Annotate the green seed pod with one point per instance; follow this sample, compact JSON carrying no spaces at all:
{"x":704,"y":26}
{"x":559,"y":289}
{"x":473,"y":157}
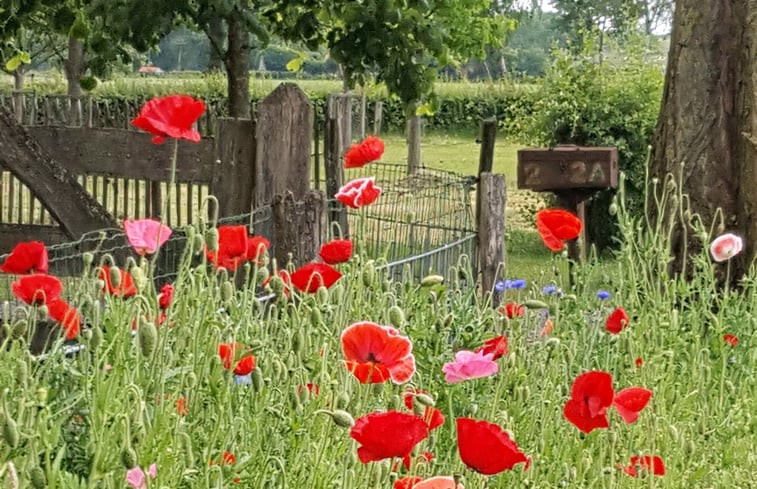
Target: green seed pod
{"x":22,"y":373}
{"x":227,"y":292}
{"x":198,"y":243}
{"x":148,"y":338}
{"x":97,"y":338}
{"x":298,"y":341}
{"x":277,"y":285}
{"x":689,"y":447}
{"x":449,"y":318}
{"x":674,"y":433}
{"x":38,"y":478}
{"x":257,"y":379}
{"x":613,"y":210}
{"x":369,"y":274}
{"x":211,"y":239}
{"x":261,"y":275}
{"x":128,"y":457}
{"x":342,"y":418}
{"x":431,"y":280}
{"x":535,"y":304}
{"x":342,"y":399}
{"x":322,"y":295}
{"x":191,"y":379}
{"x":315,"y":316}
{"x":18,"y":330}
{"x":396,"y":316}
{"x":425,"y":400}
{"x":43,"y":312}
{"x":10,"y":431}
{"x":87,"y":258}
{"x":140,"y":279}
{"x":42,"y":396}
{"x":115,"y":277}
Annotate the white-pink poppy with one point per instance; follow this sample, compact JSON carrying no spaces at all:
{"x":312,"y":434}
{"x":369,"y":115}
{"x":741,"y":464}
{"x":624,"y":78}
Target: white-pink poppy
{"x":725,"y":247}
{"x":469,"y":365}
{"x":359,"y":192}
{"x":146,"y":235}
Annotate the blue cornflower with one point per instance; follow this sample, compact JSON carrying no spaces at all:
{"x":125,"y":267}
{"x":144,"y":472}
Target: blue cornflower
{"x":499,"y":285}
{"x":603,"y":294}
{"x":243,"y":379}
{"x":551,"y":290}
{"x":515,"y":283}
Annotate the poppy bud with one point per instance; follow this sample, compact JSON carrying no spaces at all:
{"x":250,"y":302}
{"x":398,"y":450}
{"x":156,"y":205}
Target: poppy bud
{"x":22,"y":373}
{"x":43,"y":312}
{"x":396,"y":316}
{"x":186,"y":446}
{"x":10,"y":431}
{"x":42,"y":396}
{"x":257,"y":379}
{"x":315,"y":316}
{"x":294,"y":398}
{"x":18,"y":330}
{"x":261,"y":275}
{"x":298,"y":341}
{"x":97,"y":338}
{"x":277,"y":285}
{"x":689,"y":447}
{"x":431,"y":280}
{"x":613,"y":210}
{"x":425,"y":400}
{"x":211,"y":239}
{"x":674,"y":433}
{"x":148,"y":338}
{"x":448,"y":320}
{"x":342,"y":400}
{"x":322,"y":295}
{"x":395,"y":403}
{"x":386,"y":285}
{"x":37,"y":478}
{"x":197,"y":244}
{"x":369,"y":274}
{"x":342,"y":418}
{"x":192,"y":379}
{"x":138,"y":275}
{"x":115,"y":277}
{"x":87,"y":258}
{"x":128,"y":457}
{"x":613,"y":437}
{"x":227,"y":292}
{"x":418,"y":409}
{"x":535,"y":304}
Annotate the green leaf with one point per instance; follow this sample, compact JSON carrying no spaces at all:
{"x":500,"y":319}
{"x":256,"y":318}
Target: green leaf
{"x":295,"y":64}
{"x":21,"y":57}
{"x":88,"y":83}
{"x":79,"y":29}
{"x":425,"y":110}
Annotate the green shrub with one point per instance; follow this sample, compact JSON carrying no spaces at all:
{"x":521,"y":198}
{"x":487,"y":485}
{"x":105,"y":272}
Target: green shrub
{"x":610,"y":103}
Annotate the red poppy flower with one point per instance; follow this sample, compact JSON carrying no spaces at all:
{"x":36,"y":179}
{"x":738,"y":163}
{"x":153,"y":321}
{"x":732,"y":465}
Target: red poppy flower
{"x":387,"y":435}
{"x":37,"y":289}
{"x":165,"y":296}
{"x":232,"y":247}
{"x":228,"y":458}
{"x":731,"y":339}
{"x":173,"y":116}
{"x":629,"y":402}
{"x":66,"y":316}
{"x":309,"y":278}
{"x":645,"y":464}
{"x":617,"y":321}
{"x":336,"y":251}
{"x":182,"y":407}
{"x":257,"y":246}
{"x":313,"y":389}
{"x":228,"y":352}
{"x":376,"y":353}
{"x":497,"y":346}
{"x":590,"y":397}
{"x":125,"y":288}
{"x":639,"y":362}
{"x":556,"y":226}
{"x":485,"y":448}
{"x":407,"y":482}
{"x":370,"y":149}
{"x":432,"y":416}
{"x":512,"y":310}
{"x":27,"y":257}
{"x":359,"y":192}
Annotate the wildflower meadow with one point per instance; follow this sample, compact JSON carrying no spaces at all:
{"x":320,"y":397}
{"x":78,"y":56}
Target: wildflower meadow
{"x":242,"y":372}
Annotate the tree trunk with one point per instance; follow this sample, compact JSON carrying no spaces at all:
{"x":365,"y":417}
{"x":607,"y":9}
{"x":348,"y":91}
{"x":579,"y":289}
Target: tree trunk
{"x":74,"y":69}
{"x":707,"y":131}
{"x":216,"y":33}
{"x":413,"y":140}
{"x":18,"y":89}
{"x":238,"y":65}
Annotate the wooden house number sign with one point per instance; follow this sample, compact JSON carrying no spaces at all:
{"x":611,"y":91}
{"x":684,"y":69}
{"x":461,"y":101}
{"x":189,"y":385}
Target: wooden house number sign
{"x":573,"y":174}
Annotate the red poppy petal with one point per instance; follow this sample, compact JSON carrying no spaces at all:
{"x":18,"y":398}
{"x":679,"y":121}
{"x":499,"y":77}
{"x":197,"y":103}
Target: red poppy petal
{"x":575,"y":412}
{"x":336,"y":251}
{"x":629,"y":402}
{"x":387,"y":435}
{"x":486,"y":448}
{"x":245,"y":365}
{"x":617,"y":321}
{"x":37,"y":289}
{"x":368,"y":373}
{"x":309,"y":278}
{"x":26,"y":257}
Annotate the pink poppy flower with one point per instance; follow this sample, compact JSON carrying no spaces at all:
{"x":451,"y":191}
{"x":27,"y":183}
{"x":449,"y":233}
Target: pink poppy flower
{"x":359,"y":192}
{"x":725,"y":247}
{"x":470,"y":365}
{"x":438,"y":482}
{"x":137,"y":478}
{"x":146,"y":235}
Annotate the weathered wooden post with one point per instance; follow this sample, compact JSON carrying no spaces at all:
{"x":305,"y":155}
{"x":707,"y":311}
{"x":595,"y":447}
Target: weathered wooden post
{"x":573,"y":174}
{"x":337,"y":212}
{"x":414,"y":123}
{"x":297,"y":226}
{"x":233,"y":172}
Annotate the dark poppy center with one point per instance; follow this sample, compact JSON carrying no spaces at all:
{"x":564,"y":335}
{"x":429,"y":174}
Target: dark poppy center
{"x":372,"y":358}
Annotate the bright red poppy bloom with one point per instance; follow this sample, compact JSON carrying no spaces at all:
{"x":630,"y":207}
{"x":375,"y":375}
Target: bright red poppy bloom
{"x":512,"y":310}
{"x":369,"y":149}
{"x":486,"y":448}
{"x":431,"y":415}
{"x":165,"y":296}
{"x":27,"y":257}
{"x":336,"y":251}
{"x":639,"y":362}
{"x":407,"y":482}
{"x":125,"y":288}
{"x":232,"y":247}
{"x":173,"y":116}
{"x":182,"y":407}
{"x":66,"y":316}
{"x":257,"y":246}
{"x":645,"y":464}
{"x":590,"y":397}
{"x":310,"y":277}
{"x":556,"y":226}
{"x":617,"y":321}
{"x":497,"y":346}
{"x":731,"y":339}
{"x":359,"y":192}
{"x":629,"y":402}
{"x":375,"y":353}
{"x":228,"y":353}
{"x":387,"y":435}
{"x":37,"y":289}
